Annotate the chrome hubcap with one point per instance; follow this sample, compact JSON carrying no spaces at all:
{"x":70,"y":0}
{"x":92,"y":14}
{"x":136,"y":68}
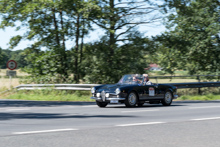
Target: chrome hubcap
{"x":168,"y":97}
{"x":132,"y":99}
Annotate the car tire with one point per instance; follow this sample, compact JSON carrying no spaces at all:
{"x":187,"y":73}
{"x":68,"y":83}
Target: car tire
{"x":101,"y":104}
{"x":168,"y":98}
{"x":131,"y":100}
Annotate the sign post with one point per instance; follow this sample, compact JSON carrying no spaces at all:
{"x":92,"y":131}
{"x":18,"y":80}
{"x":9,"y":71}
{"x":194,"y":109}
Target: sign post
{"x":11,"y":66}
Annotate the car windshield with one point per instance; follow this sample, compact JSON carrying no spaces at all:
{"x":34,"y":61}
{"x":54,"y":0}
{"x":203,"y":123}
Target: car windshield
{"x":131,"y":79}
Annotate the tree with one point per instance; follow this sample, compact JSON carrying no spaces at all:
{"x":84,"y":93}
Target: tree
{"x":129,"y":58}
{"x":193,"y":42}
{"x":3,"y":59}
{"x":18,"y":56}
{"x":1,"y":56}
{"x":51,"y":24}
{"x":119,"y":19}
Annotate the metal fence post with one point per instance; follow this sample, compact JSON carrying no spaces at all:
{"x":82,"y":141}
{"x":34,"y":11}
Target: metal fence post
{"x":156,"y":80}
{"x":199,"y":90}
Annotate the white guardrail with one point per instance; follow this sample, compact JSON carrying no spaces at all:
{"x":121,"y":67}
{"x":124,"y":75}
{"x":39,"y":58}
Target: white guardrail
{"x":56,"y":86}
{"x":89,"y":86}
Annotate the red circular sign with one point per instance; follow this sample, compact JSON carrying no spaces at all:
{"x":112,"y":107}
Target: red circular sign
{"x":11,"y":65}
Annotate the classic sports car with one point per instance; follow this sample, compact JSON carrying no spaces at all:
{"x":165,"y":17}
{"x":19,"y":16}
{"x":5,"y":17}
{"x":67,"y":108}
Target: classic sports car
{"x":133,"y":90}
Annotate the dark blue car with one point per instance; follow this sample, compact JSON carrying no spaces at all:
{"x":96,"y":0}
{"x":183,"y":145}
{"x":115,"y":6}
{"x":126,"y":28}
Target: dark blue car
{"x":132,"y":90}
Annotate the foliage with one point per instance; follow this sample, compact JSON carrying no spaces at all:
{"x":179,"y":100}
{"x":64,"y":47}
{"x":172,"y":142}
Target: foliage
{"x":128,"y":58}
{"x":119,"y":19}
{"x":51,"y":24}
{"x":46,"y":67}
{"x":193,"y":41}
{"x":2,"y":57}
{"x":17,"y":55}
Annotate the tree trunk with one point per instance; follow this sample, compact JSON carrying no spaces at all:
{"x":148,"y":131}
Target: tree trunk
{"x":112,"y":33}
{"x":82,"y":43}
{"x":76,"y":76}
{"x":63,"y":50}
{"x":56,"y":28}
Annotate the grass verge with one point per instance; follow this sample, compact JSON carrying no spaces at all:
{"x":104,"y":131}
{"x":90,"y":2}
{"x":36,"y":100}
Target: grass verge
{"x":61,"y":95}
{"x":207,"y":97}
{"x":49,"y":95}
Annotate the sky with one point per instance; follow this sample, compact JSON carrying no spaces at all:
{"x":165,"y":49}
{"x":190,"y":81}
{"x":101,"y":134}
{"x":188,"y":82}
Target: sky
{"x":5,"y":35}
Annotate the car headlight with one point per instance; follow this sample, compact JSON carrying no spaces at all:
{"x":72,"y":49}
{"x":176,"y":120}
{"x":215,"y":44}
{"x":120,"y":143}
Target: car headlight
{"x":98,"y":95}
{"x":93,"y":90}
{"x":107,"y":95}
{"x":117,"y":91}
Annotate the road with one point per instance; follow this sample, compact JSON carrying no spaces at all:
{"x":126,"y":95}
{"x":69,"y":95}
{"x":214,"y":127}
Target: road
{"x":34,"y":123}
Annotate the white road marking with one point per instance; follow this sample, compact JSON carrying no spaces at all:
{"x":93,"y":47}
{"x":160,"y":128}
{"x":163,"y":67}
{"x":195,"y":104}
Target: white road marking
{"x":204,"y":107}
{"x":44,"y":131}
{"x":211,"y":118}
{"x":90,"y":106}
{"x":140,"y":111}
{"x":138,"y":124}
{"x":14,"y":109}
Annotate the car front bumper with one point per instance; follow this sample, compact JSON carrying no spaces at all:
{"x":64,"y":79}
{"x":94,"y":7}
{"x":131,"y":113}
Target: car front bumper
{"x":175,"y":96}
{"x":108,"y":99}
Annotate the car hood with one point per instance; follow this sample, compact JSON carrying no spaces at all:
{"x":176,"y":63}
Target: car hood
{"x":111,"y":87}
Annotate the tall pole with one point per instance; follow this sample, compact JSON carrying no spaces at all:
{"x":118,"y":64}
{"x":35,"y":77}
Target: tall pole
{"x":10,"y":82}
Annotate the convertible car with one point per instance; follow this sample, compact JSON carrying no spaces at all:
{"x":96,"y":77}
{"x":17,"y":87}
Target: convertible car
{"x":132,"y":90}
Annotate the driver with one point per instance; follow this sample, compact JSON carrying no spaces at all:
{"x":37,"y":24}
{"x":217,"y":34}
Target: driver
{"x":135,"y":80}
{"x":146,"y":80}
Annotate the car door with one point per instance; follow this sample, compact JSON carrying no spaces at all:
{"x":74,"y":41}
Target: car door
{"x":154,"y":92}
{"x":151,"y":92}
{"x":143,"y":92}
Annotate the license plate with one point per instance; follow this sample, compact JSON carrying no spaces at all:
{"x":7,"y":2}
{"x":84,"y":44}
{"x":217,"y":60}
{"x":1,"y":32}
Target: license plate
{"x":114,"y":101}
{"x":151,"y":91}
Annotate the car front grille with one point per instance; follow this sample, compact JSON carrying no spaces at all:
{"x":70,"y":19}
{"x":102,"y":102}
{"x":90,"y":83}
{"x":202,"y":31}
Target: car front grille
{"x":103,"y":95}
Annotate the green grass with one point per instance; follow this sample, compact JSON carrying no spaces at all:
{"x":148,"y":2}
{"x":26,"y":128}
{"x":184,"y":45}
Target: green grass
{"x":3,"y":89}
{"x":50,"y":95}
{"x":207,"y":97}
{"x":62,"y":95}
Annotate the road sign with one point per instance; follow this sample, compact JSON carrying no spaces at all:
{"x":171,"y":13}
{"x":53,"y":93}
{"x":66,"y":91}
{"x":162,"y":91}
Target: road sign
{"x":11,"y":73}
{"x":12,"y":65}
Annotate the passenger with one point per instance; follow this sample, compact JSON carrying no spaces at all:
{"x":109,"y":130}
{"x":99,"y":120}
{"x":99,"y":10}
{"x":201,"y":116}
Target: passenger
{"x":146,"y":80}
{"x":135,"y":80}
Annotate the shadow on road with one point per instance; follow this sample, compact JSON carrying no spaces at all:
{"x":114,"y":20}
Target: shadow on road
{"x":9,"y":116}
{"x":174,"y":104}
{"x":177,"y":102}
{"x":23,"y":103}
{"x":144,"y":106}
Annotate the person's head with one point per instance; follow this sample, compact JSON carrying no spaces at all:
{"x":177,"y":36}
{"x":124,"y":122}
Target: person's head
{"x":134,"y":78}
{"x":145,"y":76}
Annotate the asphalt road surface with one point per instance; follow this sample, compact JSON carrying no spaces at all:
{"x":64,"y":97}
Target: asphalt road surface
{"x":72,"y":124}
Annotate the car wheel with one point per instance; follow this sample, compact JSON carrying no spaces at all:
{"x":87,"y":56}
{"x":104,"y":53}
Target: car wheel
{"x":168,"y":98}
{"x":101,"y":104}
{"x":131,"y":100}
